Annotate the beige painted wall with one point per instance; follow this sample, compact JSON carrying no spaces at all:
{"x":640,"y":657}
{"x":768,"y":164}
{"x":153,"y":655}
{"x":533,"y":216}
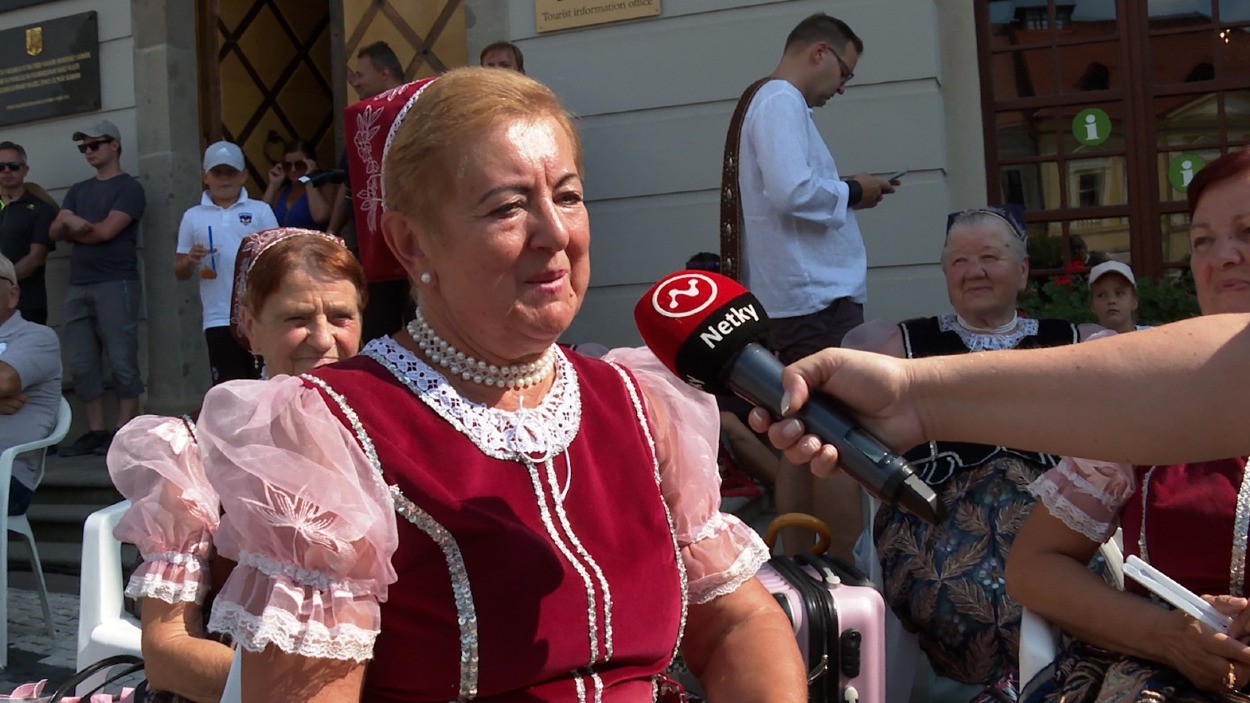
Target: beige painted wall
{"x":654,"y":98}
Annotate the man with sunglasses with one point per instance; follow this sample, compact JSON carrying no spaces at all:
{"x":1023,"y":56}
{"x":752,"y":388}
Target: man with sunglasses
{"x":802,"y":253}
{"x":24,"y":222}
{"x":100,"y":216}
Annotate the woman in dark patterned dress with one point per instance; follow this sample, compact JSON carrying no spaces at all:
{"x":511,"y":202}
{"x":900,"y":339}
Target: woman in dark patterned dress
{"x":945,"y":582}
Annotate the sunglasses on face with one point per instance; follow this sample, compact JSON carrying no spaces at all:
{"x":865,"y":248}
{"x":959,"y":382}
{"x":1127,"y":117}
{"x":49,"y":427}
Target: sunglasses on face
{"x":11,"y":166}
{"x":294,"y":166}
{"x":92,"y":146}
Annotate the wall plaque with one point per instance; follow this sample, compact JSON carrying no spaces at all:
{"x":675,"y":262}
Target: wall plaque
{"x":49,"y":69}
{"x":551,"y":15}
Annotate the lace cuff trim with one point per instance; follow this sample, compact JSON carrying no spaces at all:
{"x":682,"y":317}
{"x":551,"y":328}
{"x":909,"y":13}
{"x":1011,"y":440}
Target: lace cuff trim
{"x":744,"y":568}
{"x":1072,"y":516}
{"x":306,"y":578}
{"x":286,"y":632}
{"x":1084,"y":485}
{"x":164,"y":585}
{"x":715,"y":525}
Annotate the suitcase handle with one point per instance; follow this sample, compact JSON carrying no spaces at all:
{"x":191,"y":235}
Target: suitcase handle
{"x":810,"y":522}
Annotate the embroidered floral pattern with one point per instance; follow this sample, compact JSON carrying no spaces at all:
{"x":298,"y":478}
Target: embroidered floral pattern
{"x":312,"y":525}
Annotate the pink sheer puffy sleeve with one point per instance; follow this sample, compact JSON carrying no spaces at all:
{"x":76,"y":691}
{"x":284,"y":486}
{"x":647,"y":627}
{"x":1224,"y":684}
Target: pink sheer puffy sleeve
{"x":155,"y":463}
{"x":307,"y":518}
{"x":1086,"y":494}
{"x":719,"y":551}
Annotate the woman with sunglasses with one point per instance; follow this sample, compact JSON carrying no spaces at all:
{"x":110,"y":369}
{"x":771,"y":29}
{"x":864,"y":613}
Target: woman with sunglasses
{"x":294,"y":203}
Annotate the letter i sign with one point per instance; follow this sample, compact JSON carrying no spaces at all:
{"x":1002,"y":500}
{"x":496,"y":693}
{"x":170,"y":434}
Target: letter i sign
{"x":1091,"y":126}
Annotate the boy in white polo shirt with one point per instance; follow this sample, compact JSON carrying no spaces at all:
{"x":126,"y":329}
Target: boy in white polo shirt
{"x":208,"y":241}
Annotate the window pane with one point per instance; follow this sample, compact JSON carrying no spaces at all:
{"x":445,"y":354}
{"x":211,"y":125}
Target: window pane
{"x":1089,"y":67}
{"x":1178,"y":10}
{"x":1183,"y":58}
{"x":1234,"y":11}
{"x":1091,"y":18}
{"x":1175,"y":229}
{"x":1233,"y":47}
{"x":1105,"y":238}
{"x":1237,"y":112}
{"x":1022,"y":133}
{"x":1182,"y":165}
{"x":1182,"y":121}
{"x":1022,"y":185}
{"x":1097,"y":182}
{"x":1046,"y":246}
{"x":1024,"y":74}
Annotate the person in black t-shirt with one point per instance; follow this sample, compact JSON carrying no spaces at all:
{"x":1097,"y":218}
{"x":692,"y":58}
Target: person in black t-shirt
{"x":24,"y":223}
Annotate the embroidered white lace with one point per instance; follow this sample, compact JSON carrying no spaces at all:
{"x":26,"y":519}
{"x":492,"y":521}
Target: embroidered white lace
{"x":535,"y":433}
{"x":288,"y":633}
{"x":315,"y":580}
{"x":728,"y":581}
{"x":988,"y":342}
{"x":155,"y":585}
{"x":1075,"y":518}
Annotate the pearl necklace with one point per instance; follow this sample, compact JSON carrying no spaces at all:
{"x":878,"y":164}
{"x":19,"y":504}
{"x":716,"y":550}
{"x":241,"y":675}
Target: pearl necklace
{"x":513,"y":377}
{"x":1015,"y":317}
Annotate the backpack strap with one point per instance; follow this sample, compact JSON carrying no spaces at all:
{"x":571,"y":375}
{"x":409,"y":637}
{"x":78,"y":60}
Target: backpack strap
{"x":731,"y":203}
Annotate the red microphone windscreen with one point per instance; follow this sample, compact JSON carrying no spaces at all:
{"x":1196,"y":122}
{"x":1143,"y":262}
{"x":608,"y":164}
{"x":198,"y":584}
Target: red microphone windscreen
{"x":697,"y":322}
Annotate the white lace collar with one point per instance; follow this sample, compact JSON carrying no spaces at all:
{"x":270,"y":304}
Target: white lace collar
{"x":980,"y":341}
{"x":529,"y":434}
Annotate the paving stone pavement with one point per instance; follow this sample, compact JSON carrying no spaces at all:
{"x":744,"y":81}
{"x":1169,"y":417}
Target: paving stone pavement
{"x":33,"y":655}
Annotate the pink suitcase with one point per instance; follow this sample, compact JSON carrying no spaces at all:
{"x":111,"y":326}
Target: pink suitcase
{"x":839,"y":621}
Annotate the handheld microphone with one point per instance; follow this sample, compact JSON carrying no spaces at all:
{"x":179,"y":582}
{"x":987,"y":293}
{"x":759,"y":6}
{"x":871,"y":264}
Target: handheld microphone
{"x":707,"y":328}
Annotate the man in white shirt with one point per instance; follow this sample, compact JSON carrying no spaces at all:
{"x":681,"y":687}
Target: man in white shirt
{"x":208,"y":240}
{"x":30,"y":386}
{"x":803,"y":255}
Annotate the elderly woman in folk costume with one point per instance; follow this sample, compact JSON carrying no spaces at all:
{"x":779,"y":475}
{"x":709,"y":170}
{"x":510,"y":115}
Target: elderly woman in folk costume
{"x":298,"y":296}
{"x":467,"y":508}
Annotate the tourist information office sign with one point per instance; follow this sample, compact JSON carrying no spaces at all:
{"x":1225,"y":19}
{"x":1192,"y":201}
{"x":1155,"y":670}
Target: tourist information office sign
{"x":552,"y":15}
{"x":50,"y":69}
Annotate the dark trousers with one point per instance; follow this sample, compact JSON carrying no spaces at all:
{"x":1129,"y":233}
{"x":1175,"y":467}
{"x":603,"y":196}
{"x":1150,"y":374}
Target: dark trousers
{"x":19,"y":497}
{"x":227,"y":359}
{"x":390,"y":307}
{"x":796,"y":337}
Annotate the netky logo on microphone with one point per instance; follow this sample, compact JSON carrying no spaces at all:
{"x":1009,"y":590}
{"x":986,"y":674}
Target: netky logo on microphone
{"x":734,"y":318}
{"x":684,"y":295}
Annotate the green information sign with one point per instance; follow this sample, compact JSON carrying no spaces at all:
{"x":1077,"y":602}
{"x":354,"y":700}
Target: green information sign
{"x":1182,"y":169}
{"x":1091,"y":126}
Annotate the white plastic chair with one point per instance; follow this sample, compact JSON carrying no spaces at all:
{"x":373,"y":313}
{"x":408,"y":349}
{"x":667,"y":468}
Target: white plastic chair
{"x":20,"y":525}
{"x":104,"y":626}
{"x":1039,"y":640}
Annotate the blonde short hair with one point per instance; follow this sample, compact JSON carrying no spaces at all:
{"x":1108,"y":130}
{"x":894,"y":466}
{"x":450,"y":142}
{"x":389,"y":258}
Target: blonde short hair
{"x":432,"y":143}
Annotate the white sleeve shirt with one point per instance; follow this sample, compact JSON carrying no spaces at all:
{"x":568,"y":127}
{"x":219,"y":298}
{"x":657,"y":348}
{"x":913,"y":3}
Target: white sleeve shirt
{"x":802,"y":248}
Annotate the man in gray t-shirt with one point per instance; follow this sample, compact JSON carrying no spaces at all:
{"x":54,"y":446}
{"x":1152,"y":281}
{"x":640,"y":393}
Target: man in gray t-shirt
{"x":30,"y":386}
{"x":101,"y":217}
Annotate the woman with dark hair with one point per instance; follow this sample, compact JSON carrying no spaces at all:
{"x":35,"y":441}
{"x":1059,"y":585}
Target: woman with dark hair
{"x":1186,"y":519}
{"x":295,"y":203}
{"x":298,"y":295}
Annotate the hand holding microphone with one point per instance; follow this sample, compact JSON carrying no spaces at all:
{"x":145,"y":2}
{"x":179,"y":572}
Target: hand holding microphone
{"x":706,"y":328}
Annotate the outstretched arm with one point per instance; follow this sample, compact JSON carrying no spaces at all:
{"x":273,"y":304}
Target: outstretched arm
{"x":1044,"y":399}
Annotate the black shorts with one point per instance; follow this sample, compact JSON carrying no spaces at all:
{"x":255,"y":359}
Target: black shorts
{"x":796,"y":337}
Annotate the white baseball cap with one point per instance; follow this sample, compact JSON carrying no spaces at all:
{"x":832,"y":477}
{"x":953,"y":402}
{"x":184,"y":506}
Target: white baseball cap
{"x":223,"y":154}
{"x":1112,"y":267}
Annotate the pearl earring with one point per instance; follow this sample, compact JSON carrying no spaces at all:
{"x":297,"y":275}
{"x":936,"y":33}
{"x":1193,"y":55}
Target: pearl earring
{"x":427,"y":278}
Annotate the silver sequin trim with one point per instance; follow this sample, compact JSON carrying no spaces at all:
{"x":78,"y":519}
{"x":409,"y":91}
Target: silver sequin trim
{"x":1145,"y":496}
{"x":466,"y":613}
{"x":1241,"y":523}
{"x":641,"y":413}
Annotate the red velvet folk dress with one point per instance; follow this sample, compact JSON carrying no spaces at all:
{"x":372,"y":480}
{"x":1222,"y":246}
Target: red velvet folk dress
{"x":571,"y":572}
{"x":560,"y":575}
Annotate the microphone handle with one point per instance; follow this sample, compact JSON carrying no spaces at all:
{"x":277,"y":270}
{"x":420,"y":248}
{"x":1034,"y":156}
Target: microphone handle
{"x":755,"y":376}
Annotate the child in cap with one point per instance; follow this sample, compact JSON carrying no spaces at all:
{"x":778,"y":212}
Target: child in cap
{"x":1113,"y":296}
{"x":208,"y":240}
